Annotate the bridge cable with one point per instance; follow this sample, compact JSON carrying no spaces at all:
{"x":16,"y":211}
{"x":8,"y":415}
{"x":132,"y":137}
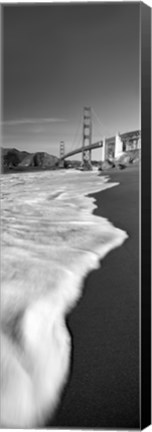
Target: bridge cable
{"x":100,"y":123}
{"x":76,"y":135}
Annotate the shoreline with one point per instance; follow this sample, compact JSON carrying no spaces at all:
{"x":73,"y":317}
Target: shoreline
{"x":104,"y":389}
{"x":86,"y":239}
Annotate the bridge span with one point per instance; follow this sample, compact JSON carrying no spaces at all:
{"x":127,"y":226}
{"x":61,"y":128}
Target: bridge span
{"x":83,"y":149}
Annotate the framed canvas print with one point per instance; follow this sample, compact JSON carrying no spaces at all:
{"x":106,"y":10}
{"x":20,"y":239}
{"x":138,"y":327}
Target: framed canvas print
{"x":75,"y":215}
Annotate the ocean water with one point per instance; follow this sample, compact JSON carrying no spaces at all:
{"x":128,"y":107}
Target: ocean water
{"x":50,"y":240}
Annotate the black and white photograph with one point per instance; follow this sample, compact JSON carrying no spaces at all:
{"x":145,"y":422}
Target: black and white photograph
{"x":72,"y":137}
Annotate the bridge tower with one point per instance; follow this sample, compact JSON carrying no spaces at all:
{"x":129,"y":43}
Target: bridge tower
{"x":87,"y":132}
{"x":62,"y":149}
{"x":62,"y":153}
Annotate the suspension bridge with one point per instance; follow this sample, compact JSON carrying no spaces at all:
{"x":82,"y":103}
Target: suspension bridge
{"x":110,"y":147}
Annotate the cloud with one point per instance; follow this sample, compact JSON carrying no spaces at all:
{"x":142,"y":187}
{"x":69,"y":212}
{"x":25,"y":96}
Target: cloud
{"x":32,"y":121}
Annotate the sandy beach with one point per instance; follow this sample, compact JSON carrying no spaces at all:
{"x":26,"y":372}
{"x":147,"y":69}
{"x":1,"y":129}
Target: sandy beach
{"x":103,"y":389}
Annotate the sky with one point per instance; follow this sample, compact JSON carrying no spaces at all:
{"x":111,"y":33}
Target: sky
{"x":58,"y":58}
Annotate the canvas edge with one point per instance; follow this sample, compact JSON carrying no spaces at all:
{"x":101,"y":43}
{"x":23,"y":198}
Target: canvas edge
{"x":145,"y":294}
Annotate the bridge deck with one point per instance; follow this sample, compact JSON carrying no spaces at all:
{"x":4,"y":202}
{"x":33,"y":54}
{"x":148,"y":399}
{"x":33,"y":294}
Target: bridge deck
{"x":81,"y":149}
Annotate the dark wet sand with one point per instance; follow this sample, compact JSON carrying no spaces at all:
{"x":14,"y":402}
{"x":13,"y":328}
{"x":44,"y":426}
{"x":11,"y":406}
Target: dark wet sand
{"x":103,"y":391}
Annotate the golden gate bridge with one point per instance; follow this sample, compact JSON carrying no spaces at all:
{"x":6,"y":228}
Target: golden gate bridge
{"x":110,"y":146}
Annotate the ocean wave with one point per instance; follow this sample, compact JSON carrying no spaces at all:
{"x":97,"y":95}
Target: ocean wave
{"x":50,"y":240}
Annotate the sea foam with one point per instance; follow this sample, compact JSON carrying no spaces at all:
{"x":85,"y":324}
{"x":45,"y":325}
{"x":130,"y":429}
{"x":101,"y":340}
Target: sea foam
{"x":50,"y":241}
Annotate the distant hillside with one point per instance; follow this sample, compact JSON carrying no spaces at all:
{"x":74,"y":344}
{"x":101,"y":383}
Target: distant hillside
{"x":15,"y":160}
